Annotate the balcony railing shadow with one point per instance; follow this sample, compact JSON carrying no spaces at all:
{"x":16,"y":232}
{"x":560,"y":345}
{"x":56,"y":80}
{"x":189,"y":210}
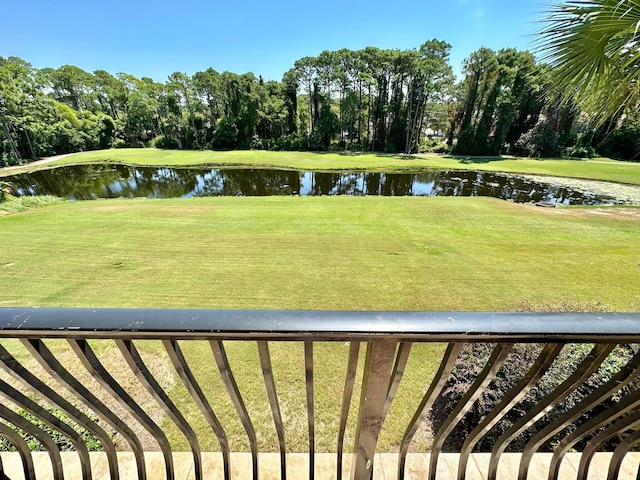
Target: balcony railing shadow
{"x":502,"y":382}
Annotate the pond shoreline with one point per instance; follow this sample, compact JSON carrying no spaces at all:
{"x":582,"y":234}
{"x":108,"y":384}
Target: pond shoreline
{"x":113,"y":180}
{"x":627,"y":193}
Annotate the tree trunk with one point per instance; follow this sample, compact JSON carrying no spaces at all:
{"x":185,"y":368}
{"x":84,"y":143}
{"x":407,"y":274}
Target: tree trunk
{"x":33,"y":153}
{"x":7,"y":133}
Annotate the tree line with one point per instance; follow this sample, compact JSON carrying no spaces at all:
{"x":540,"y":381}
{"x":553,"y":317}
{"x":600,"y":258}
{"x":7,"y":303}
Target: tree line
{"x":397,"y":101}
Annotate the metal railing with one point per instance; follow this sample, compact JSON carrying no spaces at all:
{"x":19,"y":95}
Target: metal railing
{"x":603,"y":414}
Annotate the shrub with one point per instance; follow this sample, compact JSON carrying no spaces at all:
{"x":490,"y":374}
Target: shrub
{"x":164,"y":142}
{"x":432,"y":146}
{"x":579,"y":152}
{"x":541,"y":141}
{"x":226,"y":134}
{"x":622,"y":143}
{"x":291,"y":142}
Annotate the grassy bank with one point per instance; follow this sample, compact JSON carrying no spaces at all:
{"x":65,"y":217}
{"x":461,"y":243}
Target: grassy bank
{"x":398,"y":253}
{"x":597,"y":169}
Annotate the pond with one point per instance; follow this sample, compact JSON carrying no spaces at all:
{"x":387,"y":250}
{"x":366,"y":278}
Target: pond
{"x":86,"y":182}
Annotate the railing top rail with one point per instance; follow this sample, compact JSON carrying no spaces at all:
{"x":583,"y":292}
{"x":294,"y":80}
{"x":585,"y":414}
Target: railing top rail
{"x":317,"y":325}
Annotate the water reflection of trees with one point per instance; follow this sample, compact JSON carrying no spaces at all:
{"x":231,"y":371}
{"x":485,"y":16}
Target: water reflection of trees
{"x":109,"y":181}
{"x":362,"y":184}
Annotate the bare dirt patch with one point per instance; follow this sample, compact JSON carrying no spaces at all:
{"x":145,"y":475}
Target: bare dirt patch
{"x":126,"y":206}
{"x":632,"y":213}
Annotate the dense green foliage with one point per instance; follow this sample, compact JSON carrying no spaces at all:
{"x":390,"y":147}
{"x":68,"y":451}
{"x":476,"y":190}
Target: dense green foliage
{"x":366,"y":99}
{"x":501,"y":101}
{"x":397,"y":101}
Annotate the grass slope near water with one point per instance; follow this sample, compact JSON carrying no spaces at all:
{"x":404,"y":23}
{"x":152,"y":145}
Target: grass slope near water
{"x":597,"y":169}
{"x":370,"y":253}
{"x":399,"y":253}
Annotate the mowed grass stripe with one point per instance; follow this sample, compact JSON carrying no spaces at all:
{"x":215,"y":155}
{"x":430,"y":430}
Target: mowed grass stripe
{"x":319,"y":253}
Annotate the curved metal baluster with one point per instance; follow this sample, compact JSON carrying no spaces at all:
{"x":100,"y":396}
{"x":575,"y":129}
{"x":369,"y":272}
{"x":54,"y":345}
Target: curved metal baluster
{"x":619,"y":453}
{"x":52,"y":422}
{"x":485,"y":377}
{"x":629,"y":422}
{"x":352,"y":367}
{"x":46,"y":359}
{"x":437,"y":384}
{"x":398,"y":371}
{"x":589,"y":365}
{"x":230,"y":384}
{"x":267,"y":373}
{"x":626,"y":374}
{"x":93,"y":365}
{"x":510,"y":400}
{"x":191,"y":384}
{"x":46,"y":441}
{"x":10,"y":365}
{"x":142,"y":373}
{"x":377,"y":376}
{"x":308,"y":372}
{"x":23,"y":450}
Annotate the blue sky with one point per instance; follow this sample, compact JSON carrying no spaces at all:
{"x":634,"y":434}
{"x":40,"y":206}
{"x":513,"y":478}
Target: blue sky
{"x":154,"y":39}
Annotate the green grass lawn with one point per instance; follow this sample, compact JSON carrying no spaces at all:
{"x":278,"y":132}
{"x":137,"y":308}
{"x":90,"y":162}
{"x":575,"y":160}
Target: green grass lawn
{"x":598,"y":169}
{"x":393,"y":253}
{"x":399,"y":253}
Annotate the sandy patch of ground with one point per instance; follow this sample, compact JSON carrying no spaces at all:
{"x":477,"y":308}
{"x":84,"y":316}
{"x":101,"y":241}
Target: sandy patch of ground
{"x":44,"y":161}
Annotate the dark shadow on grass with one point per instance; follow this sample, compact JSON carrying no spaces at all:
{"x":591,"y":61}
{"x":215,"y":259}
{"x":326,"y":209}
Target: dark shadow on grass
{"x":468,"y":159}
{"x":346,"y":153}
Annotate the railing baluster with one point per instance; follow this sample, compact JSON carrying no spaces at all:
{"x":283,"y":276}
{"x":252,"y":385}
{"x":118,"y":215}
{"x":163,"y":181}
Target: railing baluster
{"x":100,"y":373}
{"x":349,"y":382}
{"x":485,"y":377}
{"x":630,"y":422}
{"x":631,"y":441}
{"x":589,"y":365}
{"x":21,"y":446}
{"x":373,"y":396}
{"x":46,"y":441}
{"x":46,"y":359}
{"x":51,"y":421}
{"x":622,"y":378}
{"x":389,"y":337}
{"x":10,"y":365}
{"x":140,"y":370}
{"x":396,"y":375}
{"x":436,"y":386}
{"x":543,"y":362}
{"x":267,"y":373}
{"x":191,"y":384}
{"x":626,"y":405}
{"x":308,"y":371}
{"x":230,"y":384}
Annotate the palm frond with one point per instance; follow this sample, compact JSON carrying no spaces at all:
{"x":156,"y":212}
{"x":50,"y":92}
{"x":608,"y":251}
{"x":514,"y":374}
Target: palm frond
{"x":594,"y":49}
